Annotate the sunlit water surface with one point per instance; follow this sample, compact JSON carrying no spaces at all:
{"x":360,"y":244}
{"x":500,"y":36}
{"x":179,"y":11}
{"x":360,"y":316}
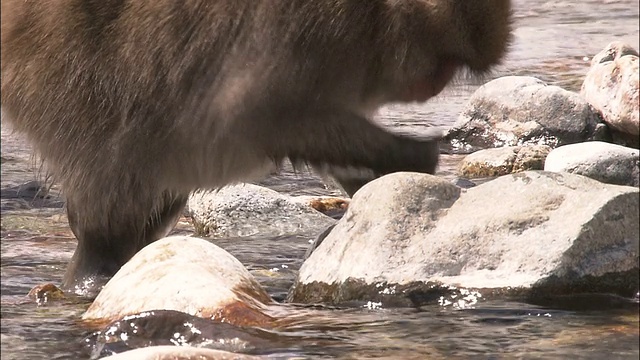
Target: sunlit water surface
{"x":554,"y":41}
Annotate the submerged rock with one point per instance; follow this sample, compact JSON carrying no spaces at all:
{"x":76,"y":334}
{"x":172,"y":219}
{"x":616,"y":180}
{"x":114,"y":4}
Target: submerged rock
{"x":184,"y":274}
{"x":165,"y":327}
{"x":612,"y":87}
{"x":609,"y":163}
{"x":166,"y":352}
{"x":248,"y":210}
{"x":43,"y":293}
{"x":522,"y":110}
{"x":407,"y":238}
{"x":503,"y":161}
{"x":32,"y":194}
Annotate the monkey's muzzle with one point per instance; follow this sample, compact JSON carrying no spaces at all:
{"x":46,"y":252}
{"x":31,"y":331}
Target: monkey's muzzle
{"x":424,"y":89}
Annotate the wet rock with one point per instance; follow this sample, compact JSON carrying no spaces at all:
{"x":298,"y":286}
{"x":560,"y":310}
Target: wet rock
{"x":609,"y":163}
{"x":165,"y":327}
{"x":166,"y":352}
{"x":248,"y":210}
{"x":612,"y":87}
{"x":503,"y":161}
{"x":32,"y":194}
{"x":333,"y":207}
{"x":45,"y":292}
{"x":463,"y":183}
{"x":29,"y":190}
{"x":408,"y":237}
{"x":522,"y":110}
{"x":184,"y":274}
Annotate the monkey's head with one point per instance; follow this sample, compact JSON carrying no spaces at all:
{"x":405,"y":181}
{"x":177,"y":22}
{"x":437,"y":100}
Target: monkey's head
{"x":433,"y":39}
{"x":481,"y":30}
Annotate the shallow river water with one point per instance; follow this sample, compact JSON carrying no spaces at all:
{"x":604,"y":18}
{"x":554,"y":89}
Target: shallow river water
{"x":554,"y":41}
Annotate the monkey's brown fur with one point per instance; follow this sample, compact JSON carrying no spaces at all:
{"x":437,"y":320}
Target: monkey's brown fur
{"x":134,"y":104}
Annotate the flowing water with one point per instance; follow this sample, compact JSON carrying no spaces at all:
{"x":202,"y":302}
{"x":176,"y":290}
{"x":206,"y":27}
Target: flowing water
{"x":554,"y":41}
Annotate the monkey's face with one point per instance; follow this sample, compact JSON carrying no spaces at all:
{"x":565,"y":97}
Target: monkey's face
{"x":430,"y":86}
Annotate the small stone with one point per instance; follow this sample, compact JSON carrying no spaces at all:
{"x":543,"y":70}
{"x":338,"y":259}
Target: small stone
{"x":333,"y":207}
{"x":609,"y":163}
{"x":503,"y":161}
{"x":45,"y":292}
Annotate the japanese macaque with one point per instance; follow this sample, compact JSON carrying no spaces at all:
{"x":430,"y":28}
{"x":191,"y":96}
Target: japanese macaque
{"x":135,"y":104}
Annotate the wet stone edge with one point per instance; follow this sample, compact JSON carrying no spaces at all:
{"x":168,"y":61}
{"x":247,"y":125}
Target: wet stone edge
{"x":611,"y":290}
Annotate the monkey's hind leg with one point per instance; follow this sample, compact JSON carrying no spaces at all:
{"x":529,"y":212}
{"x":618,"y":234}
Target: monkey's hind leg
{"x":104,"y":246}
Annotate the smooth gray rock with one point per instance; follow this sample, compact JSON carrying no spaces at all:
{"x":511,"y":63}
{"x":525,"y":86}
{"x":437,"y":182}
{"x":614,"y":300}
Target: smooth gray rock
{"x":184,"y":274}
{"x":522,"y":110}
{"x":609,"y":163}
{"x":503,"y":161}
{"x":533,"y":232}
{"x":612,"y":87}
{"x":249,"y":210}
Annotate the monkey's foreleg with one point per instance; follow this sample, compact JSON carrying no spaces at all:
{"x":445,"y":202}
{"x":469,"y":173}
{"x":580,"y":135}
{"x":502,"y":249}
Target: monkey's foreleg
{"x":353,"y":150}
{"x":351,"y":179}
{"x":104,"y":245}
